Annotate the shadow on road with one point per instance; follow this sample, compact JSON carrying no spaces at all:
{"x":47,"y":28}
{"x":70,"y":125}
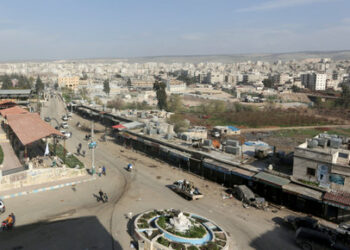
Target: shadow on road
{"x":77,"y":233}
{"x":278,"y":238}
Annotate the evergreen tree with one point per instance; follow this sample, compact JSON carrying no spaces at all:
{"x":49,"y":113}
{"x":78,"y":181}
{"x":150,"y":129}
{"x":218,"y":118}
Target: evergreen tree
{"x":106,"y":87}
{"x":39,"y":85}
{"x":159,"y":87}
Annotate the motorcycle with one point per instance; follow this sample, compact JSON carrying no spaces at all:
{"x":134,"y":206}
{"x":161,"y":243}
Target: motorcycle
{"x":104,"y":198}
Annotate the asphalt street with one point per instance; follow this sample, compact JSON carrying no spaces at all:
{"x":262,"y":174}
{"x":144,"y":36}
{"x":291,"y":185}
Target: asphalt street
{"x":71,"y":218}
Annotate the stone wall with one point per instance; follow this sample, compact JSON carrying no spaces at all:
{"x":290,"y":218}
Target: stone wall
{"x":38,"y":176}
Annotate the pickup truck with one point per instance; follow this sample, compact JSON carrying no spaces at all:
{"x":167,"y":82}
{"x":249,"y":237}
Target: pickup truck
{"x":187,"y":189}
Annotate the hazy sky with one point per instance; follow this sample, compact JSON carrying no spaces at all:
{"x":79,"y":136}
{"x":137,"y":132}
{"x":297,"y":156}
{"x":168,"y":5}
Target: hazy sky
{"x":51,"y":29}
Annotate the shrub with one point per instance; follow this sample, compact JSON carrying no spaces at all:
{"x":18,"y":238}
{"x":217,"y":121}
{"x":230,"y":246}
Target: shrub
{"x":177,"y":246}
{"x":163,"y":241}
{"x":192,"y":248}
{"x":71,"y":161}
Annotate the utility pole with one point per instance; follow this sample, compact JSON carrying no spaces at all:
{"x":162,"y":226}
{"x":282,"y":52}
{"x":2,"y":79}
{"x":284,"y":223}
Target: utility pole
{"x":93,"y":148}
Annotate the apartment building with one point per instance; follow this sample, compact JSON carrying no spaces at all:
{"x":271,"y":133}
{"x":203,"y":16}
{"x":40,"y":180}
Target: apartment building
{"x":314,"y":81}
{"x":71,"y":82}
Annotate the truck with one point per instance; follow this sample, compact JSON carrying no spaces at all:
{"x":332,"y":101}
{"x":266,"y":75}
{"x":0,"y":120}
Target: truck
{"x":187,"y":189}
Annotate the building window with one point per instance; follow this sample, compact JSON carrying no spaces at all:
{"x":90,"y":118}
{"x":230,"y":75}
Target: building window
{"x":310,"y":171}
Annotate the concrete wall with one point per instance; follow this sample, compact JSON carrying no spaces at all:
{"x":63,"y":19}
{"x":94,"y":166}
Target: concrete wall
{"x":38,"y":176}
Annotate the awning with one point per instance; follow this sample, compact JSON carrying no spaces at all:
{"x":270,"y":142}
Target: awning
{"x":305,"y":192}
{"x":119,"y":126}
{"x":271,"y":179}
{"x":242,"y":173}
{"x":337,"y":199}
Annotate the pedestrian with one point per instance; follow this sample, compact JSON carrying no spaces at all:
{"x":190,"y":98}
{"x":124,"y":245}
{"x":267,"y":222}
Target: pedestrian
{"x":100,"y":194}
{"x":104,"y":170}
{"x":99,"y":171}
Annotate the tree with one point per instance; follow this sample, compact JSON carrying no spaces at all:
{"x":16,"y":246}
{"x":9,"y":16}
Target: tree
{"x":98,"y":100}
{"x":83,"y":93}
{"x":159,"y":88}
{"x":55,"y":86}
{"x":39,"y":85}
{"x":84,"y":77}
{"x":116,"y":103}
{"x":106,"y":87}
{"x":345,"y":96}
{"x":6,"y":82}
{"x":128,"y":83}
{"x":268,"y":83}
{"x":175,"y":104}
{"x":179,"y":122}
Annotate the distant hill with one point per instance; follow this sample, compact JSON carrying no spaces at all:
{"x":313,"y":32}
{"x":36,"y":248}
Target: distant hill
{"x":334,"y":55}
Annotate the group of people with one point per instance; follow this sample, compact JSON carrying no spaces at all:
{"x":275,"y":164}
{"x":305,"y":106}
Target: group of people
{"x":101,"y":171}
{"x":8,"y":223}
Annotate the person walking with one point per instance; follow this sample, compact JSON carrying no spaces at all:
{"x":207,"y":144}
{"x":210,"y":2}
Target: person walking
{"x":100,"y":194}
{"x":104,"y":170}
{"x":99,"y":171}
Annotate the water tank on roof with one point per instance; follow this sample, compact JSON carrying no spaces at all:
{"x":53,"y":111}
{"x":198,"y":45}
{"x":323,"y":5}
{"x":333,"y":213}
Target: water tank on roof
{"x":335,"y":142}
{"x":322,"y":142}
{"x":312,"y":143}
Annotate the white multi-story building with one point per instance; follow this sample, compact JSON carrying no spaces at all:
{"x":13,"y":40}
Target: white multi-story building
{"x":314,"y":81}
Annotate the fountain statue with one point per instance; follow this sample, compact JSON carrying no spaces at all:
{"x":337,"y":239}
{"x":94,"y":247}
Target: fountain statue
{"x":180,"y":222}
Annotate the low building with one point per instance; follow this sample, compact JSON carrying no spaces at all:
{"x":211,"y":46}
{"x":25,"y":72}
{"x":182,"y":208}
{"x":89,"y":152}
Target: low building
{"x":226,"y":130}
{"x":175,"y":86}
{"x":323,"y":161}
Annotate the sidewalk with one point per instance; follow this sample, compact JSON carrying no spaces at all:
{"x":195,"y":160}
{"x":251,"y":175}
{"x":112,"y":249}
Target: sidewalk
{"x":44,"y":187}
{"x":10,"y":158}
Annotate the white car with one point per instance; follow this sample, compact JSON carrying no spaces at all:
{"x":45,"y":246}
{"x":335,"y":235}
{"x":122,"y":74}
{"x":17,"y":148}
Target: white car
{"x":64,"y":125}
{"x":66,"y":134}
{"x":69,"y":114}
{"x":2,"y":207}
{"x":64,"y":118}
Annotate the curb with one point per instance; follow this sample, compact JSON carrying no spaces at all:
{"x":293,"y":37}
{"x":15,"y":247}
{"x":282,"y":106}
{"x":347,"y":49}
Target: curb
{"x":45,"y":189}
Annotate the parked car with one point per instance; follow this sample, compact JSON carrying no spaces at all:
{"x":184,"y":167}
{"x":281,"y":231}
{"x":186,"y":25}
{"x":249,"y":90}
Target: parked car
{"x":64,"y":125}
{"x":47,"y":119}
{"x":311,"y":239}
{"x":2,"y":207}
{"x":65,"y":118}
{"x":244,"y":194}
{"x":69,"y":114}
{"x":66,"y":134}
{"x":307,"y":222}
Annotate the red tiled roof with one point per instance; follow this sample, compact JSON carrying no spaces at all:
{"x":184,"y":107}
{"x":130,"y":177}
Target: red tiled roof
{"x":13,"y":110}
{"x":29,"y":127}
{"x":339,"y":197}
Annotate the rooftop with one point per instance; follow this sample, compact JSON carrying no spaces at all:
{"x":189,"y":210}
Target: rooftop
{"x":29,"y":127}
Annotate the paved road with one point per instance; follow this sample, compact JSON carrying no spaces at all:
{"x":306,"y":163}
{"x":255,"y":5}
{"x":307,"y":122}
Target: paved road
{"x":72,"y":219}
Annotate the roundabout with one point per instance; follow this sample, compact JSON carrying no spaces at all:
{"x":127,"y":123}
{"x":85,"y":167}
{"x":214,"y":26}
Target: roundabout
{"x":174,"y":229}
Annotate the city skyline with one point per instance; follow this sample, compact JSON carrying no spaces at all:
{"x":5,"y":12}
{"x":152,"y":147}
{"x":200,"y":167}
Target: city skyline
{"x":114,"y":29}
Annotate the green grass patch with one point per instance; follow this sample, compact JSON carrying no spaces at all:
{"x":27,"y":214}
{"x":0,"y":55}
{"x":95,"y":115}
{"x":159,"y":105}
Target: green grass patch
{"x":210,"y":246}
{"x":1,"y":155}
{"x":177,"y":246}
{"x":163,"y":241}
{"x":311,"y":183}
{"x":192,"y":248}
{"x":297,"y":132}
{"x":71,"y":161}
